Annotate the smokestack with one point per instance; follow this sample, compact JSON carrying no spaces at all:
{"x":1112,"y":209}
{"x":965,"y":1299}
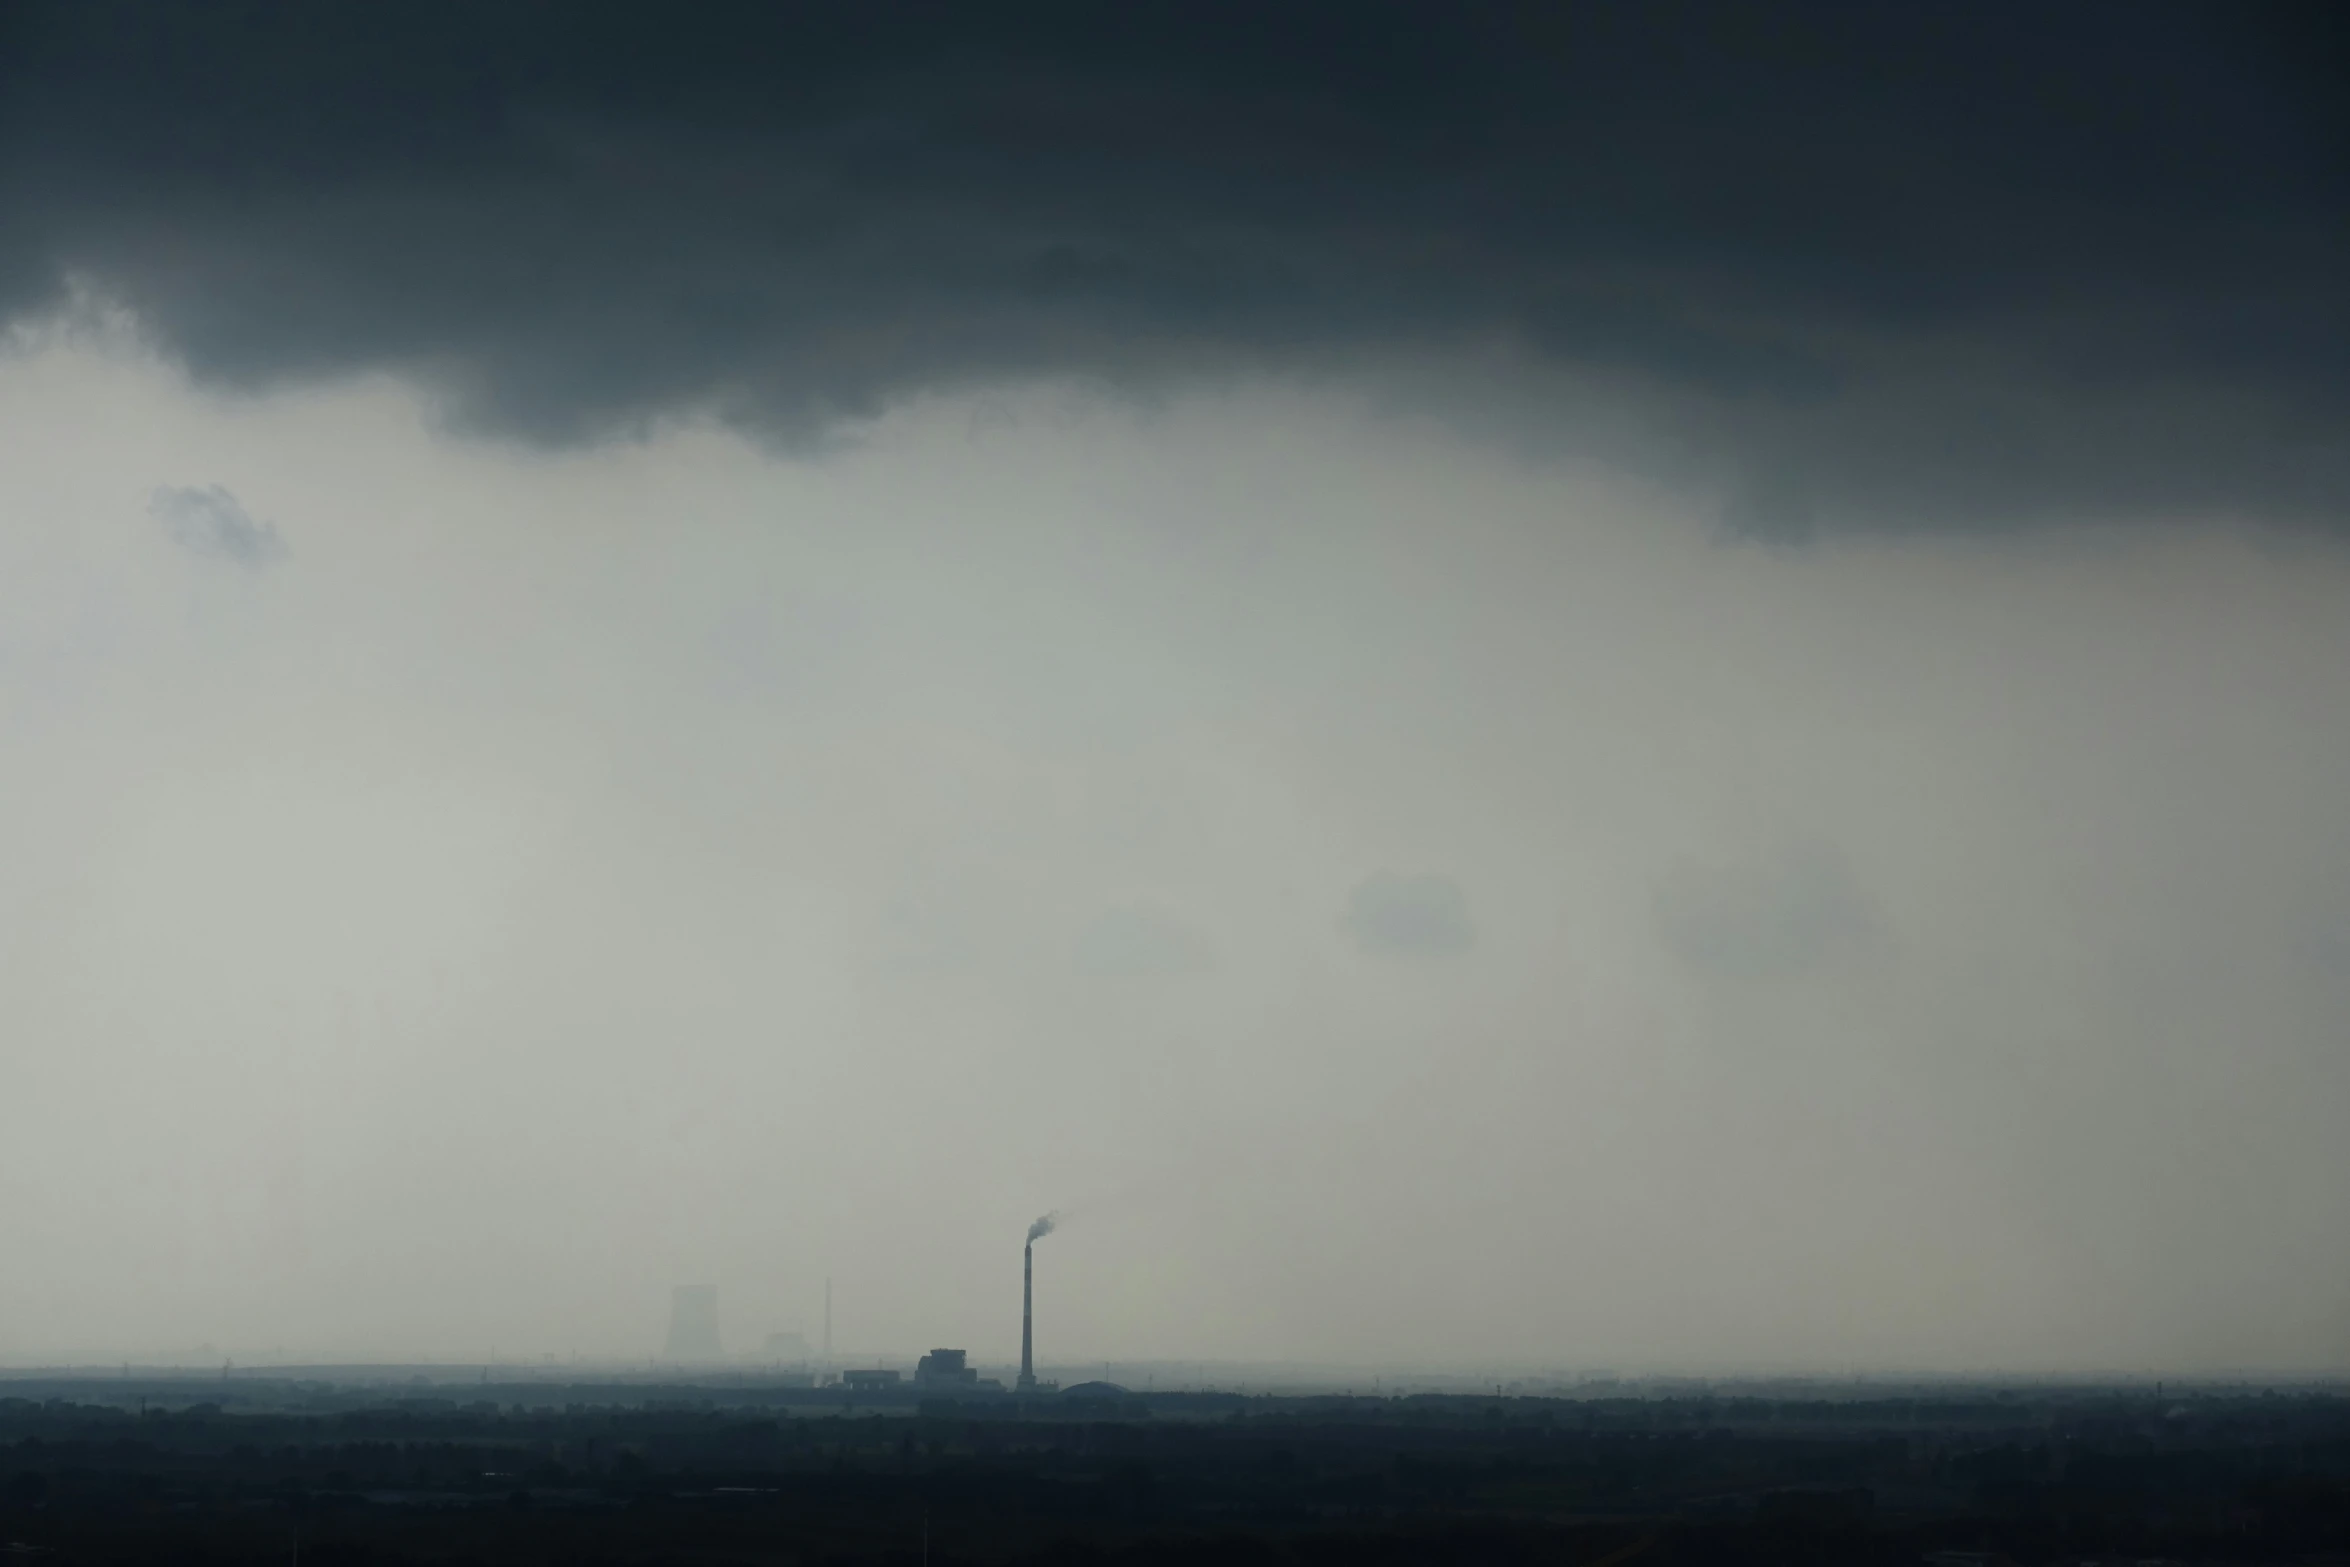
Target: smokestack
{"x":1027,"y":1382}
{"x":1036,"y":1231}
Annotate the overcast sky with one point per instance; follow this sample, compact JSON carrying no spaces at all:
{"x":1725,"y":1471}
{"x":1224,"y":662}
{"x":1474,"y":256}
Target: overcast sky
{"x":1646,"y":687}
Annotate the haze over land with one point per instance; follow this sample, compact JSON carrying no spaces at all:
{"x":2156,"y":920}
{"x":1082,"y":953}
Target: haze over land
{"x":1729,"y":756}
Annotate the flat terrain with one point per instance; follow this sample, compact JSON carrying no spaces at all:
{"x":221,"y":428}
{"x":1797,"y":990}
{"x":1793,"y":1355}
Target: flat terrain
{"x":317,"y":1474}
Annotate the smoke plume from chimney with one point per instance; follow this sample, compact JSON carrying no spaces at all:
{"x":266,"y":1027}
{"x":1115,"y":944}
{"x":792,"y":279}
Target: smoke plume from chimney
{"x":1036,"y":1232}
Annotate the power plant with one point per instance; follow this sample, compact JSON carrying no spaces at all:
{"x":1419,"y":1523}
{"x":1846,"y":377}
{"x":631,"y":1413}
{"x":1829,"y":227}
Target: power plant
{"x":693,"y":1339}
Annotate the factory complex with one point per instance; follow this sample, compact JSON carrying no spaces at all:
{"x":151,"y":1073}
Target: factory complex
{"x":694,"y":1341}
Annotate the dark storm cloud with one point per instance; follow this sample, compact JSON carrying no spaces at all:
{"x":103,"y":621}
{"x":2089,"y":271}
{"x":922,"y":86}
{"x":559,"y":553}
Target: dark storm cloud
{"x":1897,"y":264}
{"x":1409,"y":916}
{"x":1795,"y":914}
{"x":211,"y":521}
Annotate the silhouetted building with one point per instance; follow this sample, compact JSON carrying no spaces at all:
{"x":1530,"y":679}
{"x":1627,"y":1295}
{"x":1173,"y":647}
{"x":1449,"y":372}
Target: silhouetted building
{"x":868,"y":1379}
{"x":693,"y":1323}
{"x":944,"y":1368}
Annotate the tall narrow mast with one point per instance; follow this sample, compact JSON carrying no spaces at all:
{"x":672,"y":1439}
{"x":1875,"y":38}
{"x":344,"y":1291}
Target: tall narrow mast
{"x":1027,"y":1381}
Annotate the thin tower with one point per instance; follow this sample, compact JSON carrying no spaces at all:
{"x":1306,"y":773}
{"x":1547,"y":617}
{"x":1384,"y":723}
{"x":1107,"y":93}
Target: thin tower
{"x":1027,"y":1383}
{"x":828,"y":1319}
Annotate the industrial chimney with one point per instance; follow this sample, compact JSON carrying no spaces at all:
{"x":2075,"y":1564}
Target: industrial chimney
{"x":1042,"y":1227}
{"x":1027,"y":1382}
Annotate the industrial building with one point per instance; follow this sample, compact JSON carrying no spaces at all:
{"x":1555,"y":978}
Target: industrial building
{"x":944,"y":1368}
{"x":694,"y":1340}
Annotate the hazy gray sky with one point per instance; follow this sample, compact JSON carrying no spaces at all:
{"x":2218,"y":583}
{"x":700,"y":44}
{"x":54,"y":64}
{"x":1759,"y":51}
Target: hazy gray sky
{"x":1640,"y":685}
{"x":1408,"y":901}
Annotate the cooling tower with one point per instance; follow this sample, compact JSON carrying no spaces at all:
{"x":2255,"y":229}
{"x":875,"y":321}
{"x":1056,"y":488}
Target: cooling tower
{"x":693,"y":1323}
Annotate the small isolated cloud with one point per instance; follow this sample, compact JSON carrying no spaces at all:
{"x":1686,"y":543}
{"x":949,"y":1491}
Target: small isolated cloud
{"x":1409,"y":916}
{"x":210,"y":521}
{"x":1134,"y":940}
{"x":1794,"y":914}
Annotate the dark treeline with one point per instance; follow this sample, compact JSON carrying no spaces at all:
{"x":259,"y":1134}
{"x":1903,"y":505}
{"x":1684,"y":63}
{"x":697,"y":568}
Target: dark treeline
{"x":321,"y":1476}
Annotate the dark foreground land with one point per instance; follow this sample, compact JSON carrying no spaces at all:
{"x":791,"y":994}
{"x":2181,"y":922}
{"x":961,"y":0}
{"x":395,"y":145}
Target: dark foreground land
{"x":311,"y":1476}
